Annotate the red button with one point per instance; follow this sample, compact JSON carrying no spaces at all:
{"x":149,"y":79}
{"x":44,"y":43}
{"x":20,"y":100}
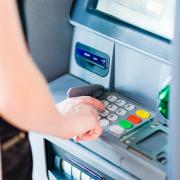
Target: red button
{"x":134,"y":119}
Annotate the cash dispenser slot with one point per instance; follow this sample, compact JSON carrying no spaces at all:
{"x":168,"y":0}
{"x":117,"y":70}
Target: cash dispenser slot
{"x":63,"y":165}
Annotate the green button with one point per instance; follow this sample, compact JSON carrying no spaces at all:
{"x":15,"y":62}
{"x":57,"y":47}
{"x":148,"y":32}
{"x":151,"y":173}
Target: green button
{"x":125,"y":124}
{"x":164,"y":101}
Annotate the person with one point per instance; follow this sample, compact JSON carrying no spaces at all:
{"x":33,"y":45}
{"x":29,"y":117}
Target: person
{"x":26,"y":103}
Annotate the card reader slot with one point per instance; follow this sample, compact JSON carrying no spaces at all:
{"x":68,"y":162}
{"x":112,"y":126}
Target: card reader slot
{"x":92,"y":59}
{"x":92,"y":63}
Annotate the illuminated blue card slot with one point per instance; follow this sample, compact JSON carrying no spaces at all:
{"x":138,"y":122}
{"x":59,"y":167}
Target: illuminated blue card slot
{"x":92,"y":59}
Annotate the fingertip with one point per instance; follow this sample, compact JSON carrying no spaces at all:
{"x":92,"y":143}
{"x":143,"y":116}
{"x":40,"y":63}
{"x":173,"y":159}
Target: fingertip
{"x":78,"y":138}
{"x":89,"y":137}
{"x":98,"y":130}
{"x":102,"y":107}
{"x":99,"y":104}
{"x":93,"y":134}
{"x":92,"y":101}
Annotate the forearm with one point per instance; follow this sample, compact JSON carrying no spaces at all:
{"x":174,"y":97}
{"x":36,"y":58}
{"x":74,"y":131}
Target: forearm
{"x":24,"y":97}
{"x":25,"y":100}
{"x":27,"y":103}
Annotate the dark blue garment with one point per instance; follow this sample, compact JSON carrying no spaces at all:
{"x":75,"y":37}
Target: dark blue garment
{"x":17,"y":159}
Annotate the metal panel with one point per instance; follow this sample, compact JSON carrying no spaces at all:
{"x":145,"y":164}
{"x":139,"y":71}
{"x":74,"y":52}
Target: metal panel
{"x":84,"y":14}
{"x":97,"y":42}
{"x":174,"y":142}
{"x":49,"y":35}
{"x":138,"y":76}
{"x":92,"y":159}
{"x":106,"y":147}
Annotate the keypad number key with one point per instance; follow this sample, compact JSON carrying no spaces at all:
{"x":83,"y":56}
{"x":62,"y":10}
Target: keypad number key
{"x":104,"y":113}
{"x":106,"y":103}
{"x":112,"y":98}
{"x":104,"y":123}
{"x":112,"y":107}
{"x":120,"y":102}
{"x":112,"y":117}
{"x":129,"y":107}
{"x":121,"y":112}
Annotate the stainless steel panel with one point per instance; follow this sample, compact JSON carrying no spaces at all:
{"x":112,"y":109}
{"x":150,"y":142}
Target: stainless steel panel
{"x":97,"y":42}
{"x":49,"y":35}
{"x":138,"y":76}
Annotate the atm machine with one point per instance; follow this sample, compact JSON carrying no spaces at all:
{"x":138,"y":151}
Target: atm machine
{"x":121,"y":55}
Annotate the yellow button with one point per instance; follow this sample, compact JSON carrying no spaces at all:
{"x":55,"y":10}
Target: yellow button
{"x":143,"y":114}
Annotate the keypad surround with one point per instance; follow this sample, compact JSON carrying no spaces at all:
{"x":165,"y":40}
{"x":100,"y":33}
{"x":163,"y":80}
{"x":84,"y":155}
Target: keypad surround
{"x":122,"y":115}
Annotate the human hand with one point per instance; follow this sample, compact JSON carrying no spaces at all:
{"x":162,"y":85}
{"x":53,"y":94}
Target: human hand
{"x":80,"y":118}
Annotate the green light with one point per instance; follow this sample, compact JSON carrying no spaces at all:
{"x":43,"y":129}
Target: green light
{"x":164,"y":101}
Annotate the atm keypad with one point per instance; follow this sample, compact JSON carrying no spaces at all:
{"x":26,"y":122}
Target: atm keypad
{"x":121,"y":115}
{"x":129,"y":107}
{"x":112,"y":117}
{"x":116,"y":130}
{"x":104,"y":122}
{"x":121,"y":112}
{"x":112,"y":107}
{"x":104,"y":113}
{"x":120,"y":102}
{"x":143,"y":114}
{"x":112,"y":98}
{"x":106,"y":103}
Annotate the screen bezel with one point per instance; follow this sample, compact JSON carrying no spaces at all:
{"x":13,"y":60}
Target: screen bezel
{"x":83,"y":12}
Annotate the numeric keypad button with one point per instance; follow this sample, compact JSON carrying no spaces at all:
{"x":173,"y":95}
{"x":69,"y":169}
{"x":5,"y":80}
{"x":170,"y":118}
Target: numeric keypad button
{"x":116,"y":130}
{"x":112,"y":117}
{"x":104,"y":113}
{"x":112,"y":107}
{"x":129,"y":107}
{"x":106,"y":103}
{"x":120,"y":102}
{"x":143,"y":114}
{"x":112,"y":98}
{"x":104,"y":122}
{"x":121,"y":112}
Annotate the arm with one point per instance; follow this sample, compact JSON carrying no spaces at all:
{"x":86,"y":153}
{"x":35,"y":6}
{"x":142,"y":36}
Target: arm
{"x":25,"y":100}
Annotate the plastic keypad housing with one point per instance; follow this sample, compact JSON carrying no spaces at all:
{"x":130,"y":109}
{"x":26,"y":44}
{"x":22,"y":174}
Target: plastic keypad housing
{"x":121,"y":115}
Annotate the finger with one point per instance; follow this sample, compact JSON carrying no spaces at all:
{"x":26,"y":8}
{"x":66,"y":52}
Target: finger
{"x":91,"y":135}
{"x":91,"y":101}
{"x":78,"y":138}
{"x":88,"y":137}
{"x":84,"y":107}
{"x":98,"y":130}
